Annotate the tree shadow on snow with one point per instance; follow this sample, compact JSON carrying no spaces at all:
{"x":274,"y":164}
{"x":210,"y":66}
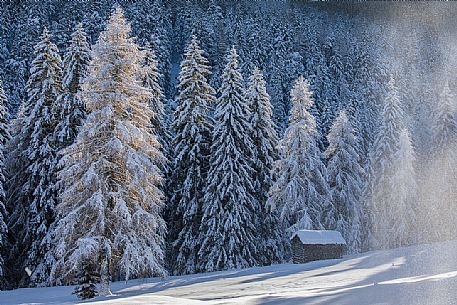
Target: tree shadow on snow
{"x":414,"y":275}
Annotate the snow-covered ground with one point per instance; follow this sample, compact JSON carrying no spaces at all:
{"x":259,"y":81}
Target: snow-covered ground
{"x":424,"y":274}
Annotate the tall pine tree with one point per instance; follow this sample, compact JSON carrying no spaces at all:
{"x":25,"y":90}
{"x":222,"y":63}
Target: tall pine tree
{"x":228,"y":231}
{"x":388,"y":203}
{"x":75,"y":66}
{"x":70,"y":112}
{"x":34,"y":202}
{"x":159,"y":127}
{"x":192,"y":126}
{"x":404,"y":195}
{"x":265,"y":140}
{"x":440,"y":174}
{"x":110,"y":209}
{"x":300,"y":192}
{"x":345,"y":179}
{"x":43,"y":156}
{"x":445,"y":121}
{"x":151,"y":79}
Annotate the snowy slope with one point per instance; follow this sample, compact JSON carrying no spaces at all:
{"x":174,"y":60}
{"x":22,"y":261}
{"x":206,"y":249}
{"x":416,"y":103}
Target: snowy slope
{"x":424,"y":274}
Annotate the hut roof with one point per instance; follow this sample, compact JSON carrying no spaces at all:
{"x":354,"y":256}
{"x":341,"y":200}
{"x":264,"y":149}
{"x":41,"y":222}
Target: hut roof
{"x":319,"y":237}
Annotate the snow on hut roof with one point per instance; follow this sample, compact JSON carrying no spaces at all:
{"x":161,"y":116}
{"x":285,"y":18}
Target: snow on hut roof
{"x":319,"y":237}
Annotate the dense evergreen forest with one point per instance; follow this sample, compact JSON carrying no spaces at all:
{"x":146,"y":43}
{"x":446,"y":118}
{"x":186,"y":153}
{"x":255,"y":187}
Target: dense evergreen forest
{"x":261,"y":118}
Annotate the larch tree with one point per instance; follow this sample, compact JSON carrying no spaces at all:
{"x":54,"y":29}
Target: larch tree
{"x":34,"y":203}
{"x":110,"y":208}
{"x":4,"y":137}
{"x":345,"y":180}
{"x":300,"y":192}
{"x":192,"y":126}
{"x":228,"y":230}
{"x":265,"y":140}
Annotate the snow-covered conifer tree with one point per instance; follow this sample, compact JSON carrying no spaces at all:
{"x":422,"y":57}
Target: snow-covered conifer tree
{"x":300,"y":192}
{"x":42,"y":154}
{"x":214,"y":26}
{"x":445,"y":121}
{"x":87,"y":279}
{"x":265,"y":141}
{"x":390,"y":157}
{"x":4,"y":136}
{"x":110,"y":209}
{"x":15,"y":191}
{"x":159,"y":127}
{"x":345,"y":180}
{"x":438,"y":189}
{"x":151,"y":78}
{"x":228,"y":230}
{"x":33,"y":207}
{"x":70,"y":113}
{"x":192,"y":126}
{"x":279,"y":82}
{"x":404,"y":194}
{"x":75,"y":65}
{"x":4,"y":130}
{"x":381,"y":158}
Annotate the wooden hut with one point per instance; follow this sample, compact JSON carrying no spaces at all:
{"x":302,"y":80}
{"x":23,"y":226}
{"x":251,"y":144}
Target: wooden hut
{"x":312,"y":245}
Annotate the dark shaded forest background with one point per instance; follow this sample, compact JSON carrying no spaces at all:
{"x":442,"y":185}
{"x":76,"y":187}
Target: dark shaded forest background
{"x":346,"y":50}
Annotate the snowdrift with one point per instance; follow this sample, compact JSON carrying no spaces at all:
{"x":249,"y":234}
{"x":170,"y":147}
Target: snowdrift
{"x":425,"y":274}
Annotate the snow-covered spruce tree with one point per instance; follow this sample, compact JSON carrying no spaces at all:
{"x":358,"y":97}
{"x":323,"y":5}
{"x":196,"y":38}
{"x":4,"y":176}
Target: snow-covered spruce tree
{"x":389,"y":213}
{"x":380,"y":167}
{"x":4,"y":136}
{"x":192,"y":126}
{"x":110,"y":210}
{"x":151,"y":23}
{"x":87,"y":277}
{"x":151,"y":78}
{"x":228,"y":230}
{"x":345,"y":180}
{"x":265,"y":140}
{"x":159,"y":125}
{"x":75,"y":66}
{"x":15,"y":180}
{"x":161,"y":40}
{"x":279,"y":83}
{"x":4,"y":129}
{"x":300,"y":192}
{"x":33,"y":206}
{"x":70,"y":111}
{"x":445,"y":121}
{"x":214,"y":27}
{"x":438,"y":188}
{"x":404,"y":195}
{"x":42,"y":153}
